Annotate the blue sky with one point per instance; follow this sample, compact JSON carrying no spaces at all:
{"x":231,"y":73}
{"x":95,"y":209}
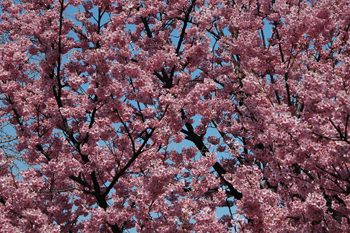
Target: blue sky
{"x":210,"y":131}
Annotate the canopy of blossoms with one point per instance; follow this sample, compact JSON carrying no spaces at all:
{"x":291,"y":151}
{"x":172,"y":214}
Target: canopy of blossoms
{"x":151,"y":114}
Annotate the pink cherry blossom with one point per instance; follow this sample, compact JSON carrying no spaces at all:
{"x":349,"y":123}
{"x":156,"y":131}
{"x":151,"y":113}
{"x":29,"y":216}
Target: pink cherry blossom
{"x":176,"y":116}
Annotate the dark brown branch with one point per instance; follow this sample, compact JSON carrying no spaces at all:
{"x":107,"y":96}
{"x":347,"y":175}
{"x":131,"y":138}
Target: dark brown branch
{"x":148,"y":30}
{"x":197,"y":140}
{"x":130,"y":162}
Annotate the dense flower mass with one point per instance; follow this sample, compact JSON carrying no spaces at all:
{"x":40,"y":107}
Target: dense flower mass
{"x":150,"y":115}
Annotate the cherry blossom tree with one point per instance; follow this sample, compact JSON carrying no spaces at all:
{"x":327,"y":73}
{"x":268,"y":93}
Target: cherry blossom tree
{"x":150,"y":115}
